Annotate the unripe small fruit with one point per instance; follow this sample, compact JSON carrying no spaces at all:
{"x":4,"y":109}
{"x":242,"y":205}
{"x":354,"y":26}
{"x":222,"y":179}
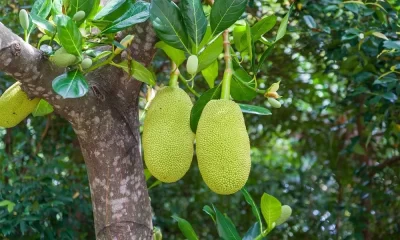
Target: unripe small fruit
{"x":274,"y":103}
{"x":63,"y":59}
{"x":79,"y":16}
{"x":86,"y":63}
{"x":124,"y":42}
{"x":24,"y":19}
{"x":192,"y":64}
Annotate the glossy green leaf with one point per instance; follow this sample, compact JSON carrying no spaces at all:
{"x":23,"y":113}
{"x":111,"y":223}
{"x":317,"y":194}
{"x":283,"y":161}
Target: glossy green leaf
{"x":285,"y":215}
{"x":256,"y":110}
{"x":138,"y":71}
{"x":56,"y":7}
{"x":69,"y":35}
{"x":43,"y":23}
{"x":186,"y":228}
{"x":282,"y":28}
{"x":195,"y":20}
{"x":241,"y":86}
{"x":390,"y":96}
{"x":392,"y":45}
{"x":209,"y":211}
{"x":168,"y":24}
{"x":225,"y":13}
{"x":80,"y":5}
{"x":225,"y":227}
{"x":6,"y":203}
{"x":42,"y":109}
{"x":176,"y":55}
{"x":310,"y":22}
{"x":251,"y":202}
{"x":271,"y":209}
{"x":212,"y":51}
{"x":111,"y":6}
{"x":138,"y":13}
{"x":40,"y":8}
{"x":71,"y":85}
{"x":210,"y":73}
{"x":260,"y":28}
{"x":213,"y":93}
{"x":253,"y":232}
{"x":239,"y":36}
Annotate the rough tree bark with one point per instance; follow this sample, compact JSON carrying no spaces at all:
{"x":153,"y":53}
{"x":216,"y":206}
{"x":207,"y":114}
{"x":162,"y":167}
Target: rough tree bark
{"x":107,"y":126}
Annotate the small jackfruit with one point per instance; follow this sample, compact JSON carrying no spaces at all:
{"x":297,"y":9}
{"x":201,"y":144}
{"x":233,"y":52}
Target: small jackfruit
{"x":167,"y":137}
{"x":223,"y":147}
{"x":15,"y":106}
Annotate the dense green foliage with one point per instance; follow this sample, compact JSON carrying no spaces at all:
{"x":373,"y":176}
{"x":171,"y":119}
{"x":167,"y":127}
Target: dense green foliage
{"x":331,"y":152}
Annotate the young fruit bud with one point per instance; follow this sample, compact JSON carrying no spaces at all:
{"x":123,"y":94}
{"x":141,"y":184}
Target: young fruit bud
{"x":125,"y":43}
{"x":79,"y":16}
{"x":192,"y":64}
{"x":63,"y":59}
{"x":24,"y":19}
{"x":86,"y":63}
{"x":274,"y":103}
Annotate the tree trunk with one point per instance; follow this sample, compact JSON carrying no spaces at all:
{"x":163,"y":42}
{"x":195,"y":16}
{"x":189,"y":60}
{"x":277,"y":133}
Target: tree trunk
{"x":107,"y":126}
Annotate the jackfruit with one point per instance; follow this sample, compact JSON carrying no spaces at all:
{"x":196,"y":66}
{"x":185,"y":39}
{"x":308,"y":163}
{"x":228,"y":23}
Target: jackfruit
{"x":223,"y":147}
{"x":167,"y":137}
{"x":15,"y":106}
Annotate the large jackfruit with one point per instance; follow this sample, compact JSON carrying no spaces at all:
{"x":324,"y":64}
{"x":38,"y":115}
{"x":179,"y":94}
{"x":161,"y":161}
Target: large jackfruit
{"x":223,"y":147}
{"x":15,"y":106}
{"x":167,"y":137}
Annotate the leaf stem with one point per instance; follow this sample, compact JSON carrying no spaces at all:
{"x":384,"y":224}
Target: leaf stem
{"x":263,"y":234}
{"x":184,"y":81}
{"x":107,"y":61}
{"x":173,"y":80}
{"x":226,"y":81}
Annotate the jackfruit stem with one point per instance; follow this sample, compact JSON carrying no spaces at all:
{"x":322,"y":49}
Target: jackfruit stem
{"x":173,"y":81}
{"x":226,"y":81}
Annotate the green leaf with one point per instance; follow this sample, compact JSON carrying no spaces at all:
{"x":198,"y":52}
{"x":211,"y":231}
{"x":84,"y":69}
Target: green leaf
{"x":155,"y":184}
{"x":210,"y":73}
{"x":195,"y":20}
{"x":253,"y":232}
{"x":176,"y":55}
{"x":69,"y":35}
{"x":392,"y":45}
{"x":168,"y":24}
{"x":80,"y":5}
{"x":259,"y":29}
{"x":109,"y":8}
{"x":138,"y":71}
{"x":147,"y":174}
{"x":282,"y":28}
{"x":271,"y":209}
{"x":253,"y":205}
{"x":225,"y":227}
{"x":390,"y":96}
{"x":256,"y":110}
{"x":70,"y":85}
{"x":138,"y":13}
{"x":310,"y":21}
{"x":43,"y":108}
{"x":262,"y":27}
{"x":43,"y":23}
{"x":186,"y":228}
{"x":241,"y":84}
{"x":40,"y":8}
{"x":56,"y":7}
{"x":213,"y":93}
{"x":239,"y":37}
{"x":285,"y":215}
{"x":211,"y":53}
{"x":264,"y":57}
{"x":225,"y":13}
{"x":208,"y":210}
{"x":10,"y":205}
